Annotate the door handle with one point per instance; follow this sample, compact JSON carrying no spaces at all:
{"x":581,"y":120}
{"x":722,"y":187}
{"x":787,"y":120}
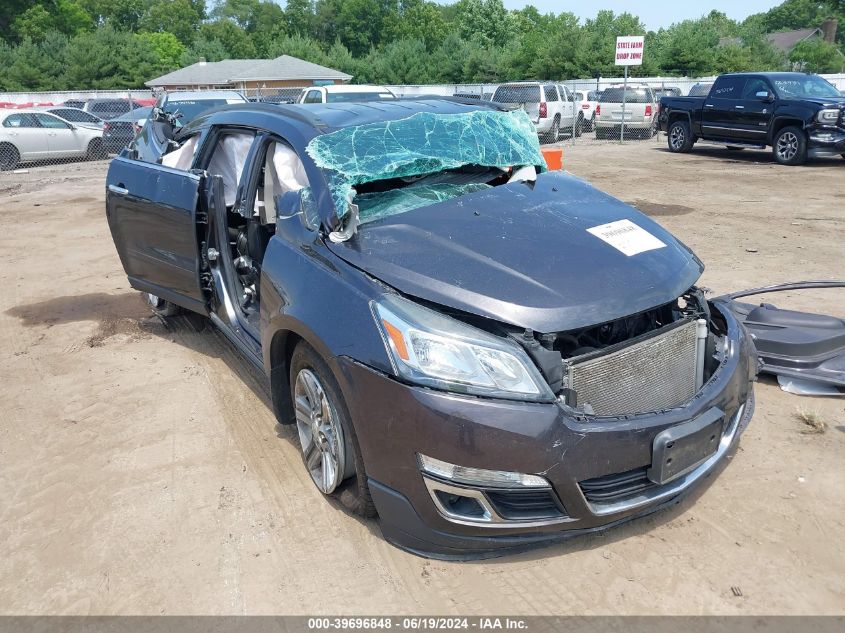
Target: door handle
{"x":740,"y":107}
{"x":708,"y":105}
{"x":121,"y":191}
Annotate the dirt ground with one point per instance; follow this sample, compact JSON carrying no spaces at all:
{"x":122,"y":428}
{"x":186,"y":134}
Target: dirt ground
{"x":142,"y":471}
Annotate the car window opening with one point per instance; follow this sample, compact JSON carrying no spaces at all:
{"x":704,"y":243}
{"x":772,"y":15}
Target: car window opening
{"x":390,"y":167}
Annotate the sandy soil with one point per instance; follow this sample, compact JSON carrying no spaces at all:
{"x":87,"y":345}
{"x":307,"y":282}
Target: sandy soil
{"x":142,"y":471}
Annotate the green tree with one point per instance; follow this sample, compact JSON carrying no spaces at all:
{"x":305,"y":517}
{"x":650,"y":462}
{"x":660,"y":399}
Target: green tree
{"x":167,"y":48}
{"x":180,"y":17}
{"x":299,"y":17}
{"x":37,"y":65}
{"x":106,"y":58}
{"x":211,"y":50}
{"x":399,"y":62}
{"x":65,"y":16}
{"x":817,"y":56}
{"x":486,"y":21}
{"x":233,"y":38}
{"x":416,"y":21}
{"x":303,"y":47}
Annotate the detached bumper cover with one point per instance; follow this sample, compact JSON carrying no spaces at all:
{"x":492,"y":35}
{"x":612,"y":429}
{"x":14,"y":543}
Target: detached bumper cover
{"x":595,"y":466}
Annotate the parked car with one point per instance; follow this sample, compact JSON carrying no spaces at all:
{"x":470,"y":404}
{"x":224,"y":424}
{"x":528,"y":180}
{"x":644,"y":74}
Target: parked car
{"x":640,"y":109}
{"x":700,"y":90}
{"x":188,"y":105}
{"x":484,"y":353}
{"x":667,"y":91}
{"x":174,"y":110}
{"x":109,"y":108}
{"x":549,"y":110}
{"x":796,"y":114}
{"x":120,"y":131}
{"x":30,"y":135}
{"x":76,"y":115}
{"x":587,"y":100}
{"x":344,"y":93}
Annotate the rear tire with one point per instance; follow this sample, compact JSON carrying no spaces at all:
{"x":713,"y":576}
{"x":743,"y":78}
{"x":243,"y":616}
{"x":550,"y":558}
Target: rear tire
{"x":306,"y":366}
{"x":679,"y":137}
{"x":553,"y":135}
{"x":161,"y":307}
{"x":9,"y":157}
{"x":790,"y":146}
{"x":96,"y":149}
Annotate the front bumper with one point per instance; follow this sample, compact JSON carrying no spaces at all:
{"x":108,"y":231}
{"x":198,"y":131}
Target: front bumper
{"x":826,"y":141}
{"x":629,"y":125}
{"x":396,"y":422}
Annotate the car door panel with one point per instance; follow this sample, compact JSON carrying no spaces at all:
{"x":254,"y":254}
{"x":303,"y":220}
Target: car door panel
{"x":756,"y":113}
{"x":27,"y":135}
{"x":152,"y":213}
{"x":722,"y":109}
{"x":61,"y":140}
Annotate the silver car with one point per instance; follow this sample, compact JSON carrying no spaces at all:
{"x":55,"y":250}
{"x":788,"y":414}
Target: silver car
{"x":550,"y":108}
{"x":640,"y":112}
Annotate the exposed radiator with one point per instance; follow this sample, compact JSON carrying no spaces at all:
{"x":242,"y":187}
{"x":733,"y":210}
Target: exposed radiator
{"x":660,"y":370}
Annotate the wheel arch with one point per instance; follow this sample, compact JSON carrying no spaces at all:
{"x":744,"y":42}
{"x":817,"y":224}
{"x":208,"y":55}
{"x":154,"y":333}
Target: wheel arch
{"x":13,"y":146}
{"x":781,"y":122}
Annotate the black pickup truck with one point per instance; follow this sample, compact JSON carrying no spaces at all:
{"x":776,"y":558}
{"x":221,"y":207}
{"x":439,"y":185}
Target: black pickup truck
{"x":796,"y":114}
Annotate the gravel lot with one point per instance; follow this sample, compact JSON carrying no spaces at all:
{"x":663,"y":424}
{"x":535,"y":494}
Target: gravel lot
{"x":142,"y":471}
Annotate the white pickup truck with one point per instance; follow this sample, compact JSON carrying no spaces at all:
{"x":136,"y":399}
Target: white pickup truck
{"x":344,"y":93}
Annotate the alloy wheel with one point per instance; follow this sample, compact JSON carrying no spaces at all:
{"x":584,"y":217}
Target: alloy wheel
{"x":787,"y":146}
{"x":677,"y":137}
{"x":320,"y":433}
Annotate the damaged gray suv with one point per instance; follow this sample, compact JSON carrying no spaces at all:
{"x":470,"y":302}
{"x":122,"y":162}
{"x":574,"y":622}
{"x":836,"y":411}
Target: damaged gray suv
{"x":485,"y":354}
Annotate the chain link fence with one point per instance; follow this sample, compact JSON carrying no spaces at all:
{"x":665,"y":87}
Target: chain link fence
{"x":51,"y":135}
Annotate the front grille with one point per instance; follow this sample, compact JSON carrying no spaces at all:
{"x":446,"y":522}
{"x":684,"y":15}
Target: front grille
{"x":616,"y":487}
{"x":656,"y":371}
{"x":518,"y":505}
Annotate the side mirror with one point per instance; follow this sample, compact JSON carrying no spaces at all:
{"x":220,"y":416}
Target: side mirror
{"x":765,"y":95}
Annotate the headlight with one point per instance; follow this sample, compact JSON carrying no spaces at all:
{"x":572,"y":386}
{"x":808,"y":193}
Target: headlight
{"x":828,"y":116}
{"x":429,"y":348}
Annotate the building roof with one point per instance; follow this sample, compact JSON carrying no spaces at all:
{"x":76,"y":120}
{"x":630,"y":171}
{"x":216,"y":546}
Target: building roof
{"x":785,"y":41}
{"x":230,"y":71}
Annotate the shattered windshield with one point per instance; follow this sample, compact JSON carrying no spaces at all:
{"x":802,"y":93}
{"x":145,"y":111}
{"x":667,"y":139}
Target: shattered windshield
{"x":395,"y":166}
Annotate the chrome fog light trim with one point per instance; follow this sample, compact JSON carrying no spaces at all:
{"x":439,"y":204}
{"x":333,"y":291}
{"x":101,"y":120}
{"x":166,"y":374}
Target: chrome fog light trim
{"x":488,"y":518}
{"x":479,"y":476}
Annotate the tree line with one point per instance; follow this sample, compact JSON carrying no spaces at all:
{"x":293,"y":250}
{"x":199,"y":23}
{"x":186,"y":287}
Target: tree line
{"x":83,"y":44}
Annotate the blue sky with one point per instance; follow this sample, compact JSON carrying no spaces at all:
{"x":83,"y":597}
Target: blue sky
{"x":653,"y":13}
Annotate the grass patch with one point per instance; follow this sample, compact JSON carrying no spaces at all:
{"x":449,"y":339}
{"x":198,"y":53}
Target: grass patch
{"x":812,"y":420}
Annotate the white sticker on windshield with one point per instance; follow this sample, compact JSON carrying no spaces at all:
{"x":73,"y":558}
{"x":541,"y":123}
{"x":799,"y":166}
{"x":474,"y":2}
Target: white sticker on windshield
{"x":627,"y":237}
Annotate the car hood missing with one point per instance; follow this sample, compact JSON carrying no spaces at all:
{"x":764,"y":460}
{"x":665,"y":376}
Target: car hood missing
{"x":522,"y":254}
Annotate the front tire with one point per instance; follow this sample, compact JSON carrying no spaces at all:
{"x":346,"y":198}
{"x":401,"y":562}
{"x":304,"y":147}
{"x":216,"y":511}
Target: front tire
{"x":9,"y":157}
{"x":679,"y":137}
{"x":579,"y":126}
{"x":96,"y":149}
{"x":790,"y":146}
{"x":330,"y":449}
{"x":161,"y":307}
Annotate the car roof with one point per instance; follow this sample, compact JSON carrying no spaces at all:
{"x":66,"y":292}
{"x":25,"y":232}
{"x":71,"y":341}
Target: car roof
{"x":327,"y":117}
{"x":133,"y":115}
{"x":351,"y":88}
{"x":203,"y":95}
